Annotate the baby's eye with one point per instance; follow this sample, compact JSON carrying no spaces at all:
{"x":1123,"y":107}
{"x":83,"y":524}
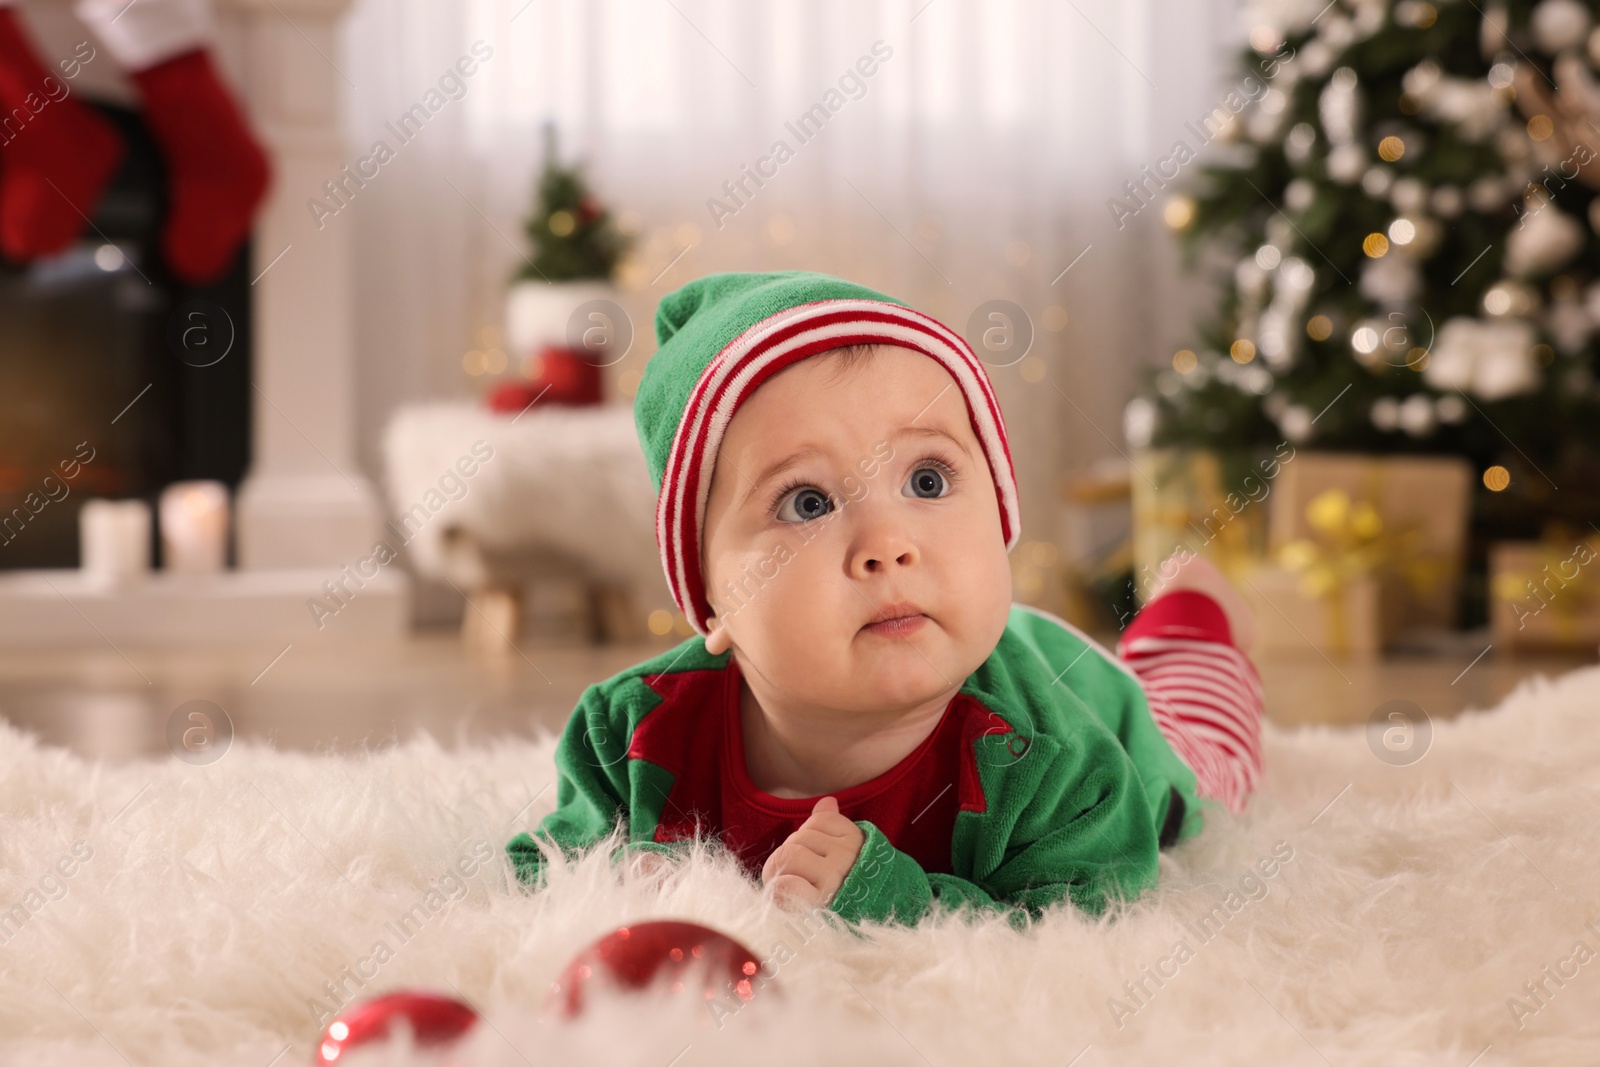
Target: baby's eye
{"x":803,"y":505}
{"x":926,"y":482}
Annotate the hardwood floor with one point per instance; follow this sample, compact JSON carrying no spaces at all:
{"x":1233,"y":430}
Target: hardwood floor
{"x":1309,"y":690}
{"x":330,"y":696}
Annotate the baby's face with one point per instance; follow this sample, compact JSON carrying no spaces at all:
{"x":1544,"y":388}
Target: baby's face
{"x":842,"y":493}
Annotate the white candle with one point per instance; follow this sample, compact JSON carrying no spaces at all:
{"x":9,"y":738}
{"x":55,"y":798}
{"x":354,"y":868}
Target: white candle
{"x":194,"y":527}
{"x":114,"y":541}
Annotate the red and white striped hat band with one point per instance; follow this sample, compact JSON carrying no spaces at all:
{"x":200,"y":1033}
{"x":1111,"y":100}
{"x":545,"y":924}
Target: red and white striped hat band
{"x":766,"y":348}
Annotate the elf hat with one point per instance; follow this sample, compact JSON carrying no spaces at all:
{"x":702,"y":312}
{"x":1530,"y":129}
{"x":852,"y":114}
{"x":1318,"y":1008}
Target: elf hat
{"x":723,"y":335}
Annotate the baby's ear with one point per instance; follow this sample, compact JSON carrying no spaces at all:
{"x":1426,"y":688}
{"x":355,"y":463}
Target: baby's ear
{"x":718,"y":641}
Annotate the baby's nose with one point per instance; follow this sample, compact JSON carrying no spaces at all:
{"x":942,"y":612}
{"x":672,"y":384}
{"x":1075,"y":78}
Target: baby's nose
{"x":882,"y":547}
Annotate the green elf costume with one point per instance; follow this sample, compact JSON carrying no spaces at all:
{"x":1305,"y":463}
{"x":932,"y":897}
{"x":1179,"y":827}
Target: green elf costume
{"x":1047,"y":779}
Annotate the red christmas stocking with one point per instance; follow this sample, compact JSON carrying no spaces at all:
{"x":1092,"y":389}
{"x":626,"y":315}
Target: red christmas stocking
{"x":216,"y":172}
{"x":56,"y":155}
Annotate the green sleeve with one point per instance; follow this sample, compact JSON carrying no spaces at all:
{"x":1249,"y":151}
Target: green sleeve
{"x":1066,"y":821}
{"x":599,"y":787}
{"x":591,"y":784}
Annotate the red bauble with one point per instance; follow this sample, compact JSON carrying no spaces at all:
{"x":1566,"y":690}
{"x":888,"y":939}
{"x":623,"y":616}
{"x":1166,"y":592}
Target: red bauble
{"x":681,"y":957}
{"x":433,"y":1020}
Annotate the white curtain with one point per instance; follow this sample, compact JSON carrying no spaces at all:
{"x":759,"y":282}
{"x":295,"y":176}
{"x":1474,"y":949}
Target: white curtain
{"x":973,"y":164}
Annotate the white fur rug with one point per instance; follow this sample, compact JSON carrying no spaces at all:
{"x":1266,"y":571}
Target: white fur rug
{"x":215,"y":902}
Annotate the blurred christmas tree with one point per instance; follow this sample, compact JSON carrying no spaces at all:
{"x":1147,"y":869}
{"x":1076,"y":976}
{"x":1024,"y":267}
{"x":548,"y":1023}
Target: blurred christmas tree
{"x":574,"y":238}
{"x":1407,"y":197}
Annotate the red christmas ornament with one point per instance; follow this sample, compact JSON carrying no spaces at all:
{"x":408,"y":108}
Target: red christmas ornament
{"x":433,"y":1020}
{"x":561,"y":376}
{"x":679,"y":956}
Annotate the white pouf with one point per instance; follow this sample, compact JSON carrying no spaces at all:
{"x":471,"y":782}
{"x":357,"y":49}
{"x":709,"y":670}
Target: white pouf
{"x":563,"y":488}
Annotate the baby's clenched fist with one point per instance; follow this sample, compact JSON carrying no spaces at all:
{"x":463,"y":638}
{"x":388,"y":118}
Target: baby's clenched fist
{"x":811,"y":865}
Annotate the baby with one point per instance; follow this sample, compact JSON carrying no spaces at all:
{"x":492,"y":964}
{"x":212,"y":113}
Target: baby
{"x":866,"y":720}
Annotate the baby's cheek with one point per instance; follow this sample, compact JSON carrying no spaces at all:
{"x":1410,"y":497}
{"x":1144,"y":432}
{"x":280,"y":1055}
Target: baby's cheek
{"x":774,"y":636}
{"x":795,"y":604}
{"x":987,"y":603}
{"x":790,"y":659}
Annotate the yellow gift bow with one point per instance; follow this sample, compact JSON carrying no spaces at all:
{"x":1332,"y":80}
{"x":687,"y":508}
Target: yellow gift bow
{"x":1352,"y":544}
{"x":1568,"y":601}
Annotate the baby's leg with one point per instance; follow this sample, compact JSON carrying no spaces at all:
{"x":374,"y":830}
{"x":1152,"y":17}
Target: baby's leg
{"x":1204,"y":692}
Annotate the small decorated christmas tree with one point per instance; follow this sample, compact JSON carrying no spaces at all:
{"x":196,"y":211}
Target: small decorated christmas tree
{"x":573,"y":235}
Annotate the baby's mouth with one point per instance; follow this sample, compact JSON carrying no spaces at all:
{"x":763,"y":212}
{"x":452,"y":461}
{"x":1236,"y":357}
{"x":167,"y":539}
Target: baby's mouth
{"x":896,"y":620}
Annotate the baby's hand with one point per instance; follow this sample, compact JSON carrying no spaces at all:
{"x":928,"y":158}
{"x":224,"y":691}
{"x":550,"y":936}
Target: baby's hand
{"x":812,"y":864}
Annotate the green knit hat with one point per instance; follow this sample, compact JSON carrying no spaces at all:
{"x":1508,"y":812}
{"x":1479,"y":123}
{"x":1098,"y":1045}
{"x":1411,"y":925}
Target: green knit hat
{"x":723,"y":335}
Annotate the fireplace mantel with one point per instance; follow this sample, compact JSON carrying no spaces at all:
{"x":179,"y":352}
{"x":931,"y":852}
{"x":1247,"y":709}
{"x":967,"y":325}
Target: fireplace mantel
{"x":305,"y":501}
{"x":305,"y":511}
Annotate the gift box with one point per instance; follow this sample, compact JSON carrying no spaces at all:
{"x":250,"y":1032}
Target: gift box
{"x":1211,"y":503}
{"x":1545,"y":594}
{"x":1307,"y":612}
{"x":1404,"y":518}
{"x":1097,"y":547}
